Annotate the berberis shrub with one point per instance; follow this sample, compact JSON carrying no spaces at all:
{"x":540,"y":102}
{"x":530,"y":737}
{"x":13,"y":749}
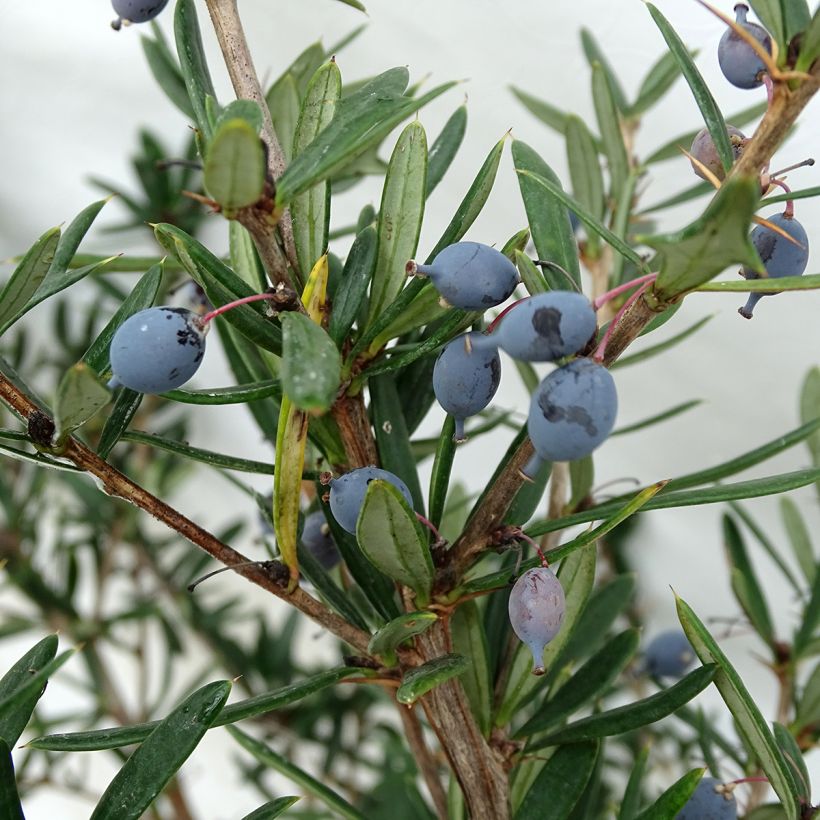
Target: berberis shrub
{"x":339,"y":343}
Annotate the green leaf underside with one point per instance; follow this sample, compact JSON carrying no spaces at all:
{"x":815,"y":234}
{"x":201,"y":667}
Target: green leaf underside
{"x":234,"y":172}
{"x":765,"y":284}
{"x":394,"y":632}
{"x":470,"y":641}
{"x":311,"y":364}
{"x":272,"y":809}
{"x":667,"y":806}
{"x":10,"y":808}
{"x":240,"y":394}
{"x":80,"y":395}
{"x":421,"y":679}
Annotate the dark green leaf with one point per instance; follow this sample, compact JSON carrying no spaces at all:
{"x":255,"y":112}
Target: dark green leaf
{"x":810,"y":47}
{"x":392,"y":539}
{"x":810,"y":412}
{"x":246,"y":110}
{"x":271,"y":809}
{"x":268,"y":757}
{"x":165,"y":68}
{"x":785,"y":283}
{"x":235,"y":167}
{"x":594,"y":54}
{"x":10,"y":808}
{"x":125,"y":407}
{"x":667,"y":806}
{"x":703,"y":97}
{"x":442,"y":467}
{"x":634,"y":715}
{"x":658,"y":80}
{"x":560,"y":784}
{"x":811,"y":618}
{"x":742,"y":707}
{"x":444,"y":148}
{"x":585,"y":171}
{"x":240,"y":394}
{"x":608,"y":121}
{"x":395,"y":632}
{"x":470,"y":641}
{"x":421,"y":679}
{"x":808,"y":705}
{"x":12,"y":722}
{"x":659,"y":417}
{"x":244,"y":257}
{"x":544,"y":111}
{"x":631,"y":801}
{"x":531,"y":276}
{"x":707,"y":246}
{"x":547,"y":214}
{"x":354,"y":4}
{"x":80,"y":395}
{"x":770,"y":13}
{"x":352,"y":290}
{"x":803,"y":193}
{"x":794,"y":758}
{"x":311,"y":363}
{"x":193,"y":64}
{"x":687,"y":195}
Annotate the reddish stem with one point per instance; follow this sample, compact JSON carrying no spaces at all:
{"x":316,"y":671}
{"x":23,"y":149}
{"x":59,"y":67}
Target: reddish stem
{"x":767,"y":81}
{"x":750,"y":780}
{"x":611,"y":294}
{"x":789,"y":212}
{"x":218,"y":311}
{"x":601,"y":351}
{"x":491,"y":326}
{"x":430,"y":526}
{"x":524,"y":537}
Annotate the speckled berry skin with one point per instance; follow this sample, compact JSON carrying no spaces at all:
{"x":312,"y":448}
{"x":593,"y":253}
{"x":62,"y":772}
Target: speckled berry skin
{"x":780,"y":257}
{"x":706,"y":803}
{"x":572,"y":412}
{"x":471,"y":276}
{"x":536,"y":609}
{"x":544,"y":327}
{"x":347,"y":493}
{"x":138,"y":11}
{"x":465,"y":381}
{"x":703,"y":149}
{"x":669,"y":655}
{"x":157,"y":349}
{"x":738,"y":61}
{"x":318,"y":541}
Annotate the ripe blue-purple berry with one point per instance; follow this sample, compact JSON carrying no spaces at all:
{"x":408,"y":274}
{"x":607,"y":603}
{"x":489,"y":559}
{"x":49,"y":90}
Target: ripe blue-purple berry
{"x":465,"y":379}
{"x":319,"y":542}
{"x":536,"y":610}
{"x":470,"y":276}
{"x":157,"y":349}
{"x":739,"y":63}
{"x":572,"y":411}
{"x":348,"y":491}
{"x":780,"y":256}
{"x":703,"y":149}
{"x":136,"y":11}
{"x":544,"y":327}
{"x":709,"y":802}
{"x":669,"y":655}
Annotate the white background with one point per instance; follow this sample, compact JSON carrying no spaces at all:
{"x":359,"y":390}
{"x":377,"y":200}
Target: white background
{"x":74,"y":94}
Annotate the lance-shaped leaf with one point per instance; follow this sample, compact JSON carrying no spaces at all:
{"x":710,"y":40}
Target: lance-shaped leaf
{"x":192,"y":62}
{"x":156,"y":761}
{"x":547,"y":215}
{"x":352,"y":290}
{"x":400,"y":216}
{"x":707,"y":246}
{"x":810,"y":412}
{"x":395,"y":632}
{"x":165,"y":68}
{"x":585,"y":171}
{"x":608,"y":121}
{"x":80,"y":396}
{"x":810,"y":46}
{"x":631,"y":801}
{"x":783,"y":19}
{"x":10,"y":808}
{"x":674,"y":798}
{"x":311,"y":363}
{"x":311,"y":210}
{"x":797,"y":764}
{"x":246,"y":110}
{"x":26,"y":278}
{"x":13,"y":721}
{"x":634,"y":715}
{"x":421,"y":679}
{"x":234,"y":172}
{"x":272,"y":809}
{"x":361,"y":121}
{"x":444,"y":148}
{"x":560,"y":784}
{"x":807,"y":632}
{"x":743,"y":708}
{"x":658,"y":80}
{"x":393,"y":541}
{"x":124,"y":409}
{"x":470,"y":640}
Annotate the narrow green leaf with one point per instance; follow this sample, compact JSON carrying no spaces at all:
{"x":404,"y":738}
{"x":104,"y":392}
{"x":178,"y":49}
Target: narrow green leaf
{"x":687,"y":195}
{"x":658,"y":80}
{"x":421,"y":679}
{"x":544,"y":111}
{"x":113,"y":738}
{"x":808,"y":705}
{"x":442,"y":468}
{"x":38,"y":459}
{"x":70,"y":241}
{"x":711,"y":243}
{"x":10,"y":808}
{"x":240,"y":394}
{"x":810,"y":47}
{"x":26,"y":278}
{"x":361,"y":121}
{"x":445,"y":147}
{"x":246,"y":110}
{"x":799,"y":538}
{"x":244,"y":257}
{"x":634,"y":715}
{"x":667,"y":806}
{"x":742,"y":707}
{"x":802,"y":193}
{"x":785,"y":283}
{"x":531,"y":276}
{"x":311,"y":210}
{"x":811,"y":619}
{"x":770,"y":13}
{"x":474,"y":200}
{"x":560,"y":784}
{"x":745,"y":585}
{"x":631,"y":801}
{"x":235,"y":167}
{"x":284,"y":103}
{"x":193,"y":64}
{"x":13,"y":721}
{"x":80,"y":395}
{"x":154,"y":763}
{"x":658,"y":418}
{"x":794,"y":758}
{"x":594,"y":54}
{"x":141,"y":297}
{"x":125,"y":408}
{"x":400,"y":216}
{"x":585,"y":171}
{"x":810,"y":413}
{"x":387,"y":639}
{"x":470,"y":640}
{"x":272,"y":809}
{"x":391,"y":538}
{"x":268,"y":757}
{"x":587,"y":684}
{"x":165,"y":68}
{"x":608,"y":121}
{"x":303,"y":67}
{"x":661,"y":347}
{"x":311,"y":363}
{"x":352,"y":290}
{"x":622,"y":218}
{"x":547,"y":214}
{"x":700,"y":91}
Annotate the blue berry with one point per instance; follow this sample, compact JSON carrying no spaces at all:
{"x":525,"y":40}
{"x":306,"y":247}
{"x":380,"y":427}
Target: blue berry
{"x":536,"y":609}
{"x":780,"y":256}
{"x":703,"y":149}
{"x":709,"y":803}
{"x":572,"y":411}
{"x":738,"y":61}
{"x":544,"y":327}
{"x":669,"y":655}
{"x":157,"y":349}
{"x":347,"y":493}
{"x":136,"y":11}
{"x":471,"y":276}
{"x":465,"y":381}
{"x":319,"y":542}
